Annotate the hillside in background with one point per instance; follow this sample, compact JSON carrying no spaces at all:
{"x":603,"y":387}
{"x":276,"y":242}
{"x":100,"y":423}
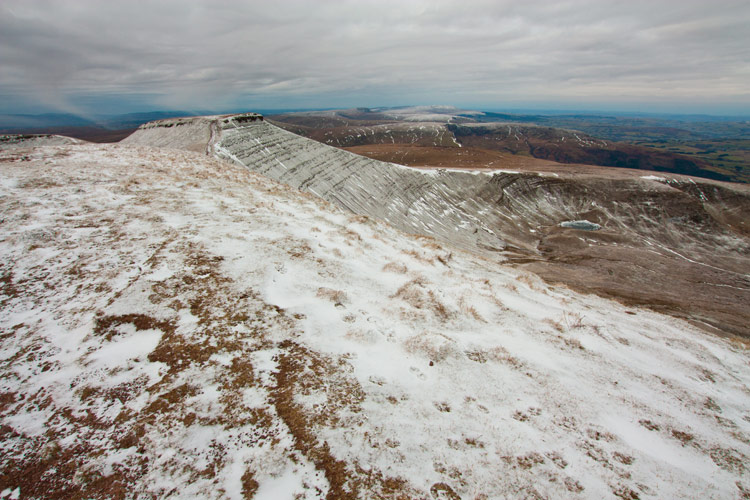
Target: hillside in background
{"x":722,"y":142}
{"x":707,"y":147}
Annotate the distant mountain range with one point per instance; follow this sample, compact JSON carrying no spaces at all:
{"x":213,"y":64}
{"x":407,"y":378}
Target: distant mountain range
{"x":707,"y":146}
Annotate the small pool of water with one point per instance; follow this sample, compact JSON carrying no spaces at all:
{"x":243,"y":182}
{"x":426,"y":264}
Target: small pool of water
{"x":581,"y":224}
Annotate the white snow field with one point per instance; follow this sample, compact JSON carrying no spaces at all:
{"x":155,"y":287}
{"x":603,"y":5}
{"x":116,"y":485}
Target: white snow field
{"x":176,"y":326}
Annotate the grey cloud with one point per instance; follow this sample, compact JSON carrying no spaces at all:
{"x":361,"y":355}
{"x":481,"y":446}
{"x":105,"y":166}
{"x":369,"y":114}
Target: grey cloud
{"x":201,"y":54}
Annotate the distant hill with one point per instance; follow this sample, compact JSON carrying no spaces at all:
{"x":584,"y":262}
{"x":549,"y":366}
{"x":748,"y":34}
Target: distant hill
{"x":566,"y":146}
{"x":401,"y":130}
{"x":99,"y":128}
{"x":720,"y":143}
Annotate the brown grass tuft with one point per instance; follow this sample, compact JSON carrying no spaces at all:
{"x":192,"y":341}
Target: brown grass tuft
{"x":393,"y":267}
{"x":338,"y":297}
{"x":249,"y":485}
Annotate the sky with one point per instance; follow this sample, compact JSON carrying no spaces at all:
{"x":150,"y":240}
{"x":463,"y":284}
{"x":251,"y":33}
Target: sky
{"x":96,"y":56}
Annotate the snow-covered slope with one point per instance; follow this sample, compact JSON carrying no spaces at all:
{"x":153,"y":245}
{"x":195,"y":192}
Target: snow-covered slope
{"x":192,"y":133}
{"x":175,"y":325}
{"x":404,"y":197}
{"x":18,"y":141}
{"x":669,"y":242}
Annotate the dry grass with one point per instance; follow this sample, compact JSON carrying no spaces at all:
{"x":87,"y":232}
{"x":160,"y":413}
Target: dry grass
{"x":501,"y":355}
{"x":648,"y":424}
{"x":421,"y":257}
{"x":530,"y":460}
{"x":395,"y":267}
{"x":443,"y":491}
{"x":217,"y":309}
{"x":682,"y":437}
{"x":729,"y":459}
{"x":106,"y":326}
{"x":249,"y":485}
{"x":557,"y":325}
{"x":351,"y":237}
{"x":359,"y":219}
{"x":740,"y":343}
{"x":623,"y":459}
{"x":625,"y":493}
{"x":434,"y":347}
{"x":572,"y":343}
{"x":470,"y":310}
{"x":573,"y":320}
{"x":444,"y":259}
{"x":416,"y":294}
{"x":338,"y":297}
{"x":302,"y":371}
{"x":573,"y":485}
{"x":711,"y":405}
{"x":530,"y":281}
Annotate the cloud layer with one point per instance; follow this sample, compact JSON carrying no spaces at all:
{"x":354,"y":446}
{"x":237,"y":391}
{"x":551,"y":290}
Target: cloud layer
{"x":216,"y":54}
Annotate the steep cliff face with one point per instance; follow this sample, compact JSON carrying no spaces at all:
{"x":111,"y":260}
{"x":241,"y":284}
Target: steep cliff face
{"x":659,"y":236}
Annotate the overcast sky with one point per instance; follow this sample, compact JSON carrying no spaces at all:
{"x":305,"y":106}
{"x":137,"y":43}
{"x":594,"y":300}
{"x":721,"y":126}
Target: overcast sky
{"x":120,"y":56}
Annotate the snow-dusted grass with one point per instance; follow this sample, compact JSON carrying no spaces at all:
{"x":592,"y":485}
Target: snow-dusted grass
{"x":178,"y":326}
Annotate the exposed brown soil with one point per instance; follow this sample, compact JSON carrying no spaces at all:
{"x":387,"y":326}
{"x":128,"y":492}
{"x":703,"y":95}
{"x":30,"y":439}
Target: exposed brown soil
{"x":301,"y":372}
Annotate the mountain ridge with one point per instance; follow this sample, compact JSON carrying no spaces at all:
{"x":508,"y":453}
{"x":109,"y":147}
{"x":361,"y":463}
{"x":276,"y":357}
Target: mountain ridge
{"x":649,"y":223}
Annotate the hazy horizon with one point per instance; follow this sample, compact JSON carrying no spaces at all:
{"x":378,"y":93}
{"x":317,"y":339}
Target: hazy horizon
{"x":86,"y":57}
{"x":521,"y":111}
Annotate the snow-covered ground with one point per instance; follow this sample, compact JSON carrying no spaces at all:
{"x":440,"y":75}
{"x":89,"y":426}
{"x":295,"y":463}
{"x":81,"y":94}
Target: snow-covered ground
{"x":13,"y":141}
{"x":175,"y":325}
{"x":440,"y":114}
